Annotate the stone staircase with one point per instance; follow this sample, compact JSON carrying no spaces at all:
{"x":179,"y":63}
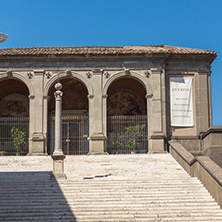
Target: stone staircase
{"x":111,"y":188}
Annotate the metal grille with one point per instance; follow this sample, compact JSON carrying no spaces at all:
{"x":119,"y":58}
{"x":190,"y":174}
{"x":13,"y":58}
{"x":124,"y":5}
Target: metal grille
{"x":75,"y":131}
{"x":7,"y":146}
{"x":126,"y":132}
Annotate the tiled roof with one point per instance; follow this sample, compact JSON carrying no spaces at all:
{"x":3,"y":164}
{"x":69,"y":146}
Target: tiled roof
{"x":103,"y":50}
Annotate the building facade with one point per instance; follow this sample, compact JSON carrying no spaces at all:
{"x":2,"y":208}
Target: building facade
{"x":106,"y":90}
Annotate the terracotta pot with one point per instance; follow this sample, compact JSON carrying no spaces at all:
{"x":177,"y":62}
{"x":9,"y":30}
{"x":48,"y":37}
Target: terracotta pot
{"x":3,"y":153}
{"x":133,"y":151}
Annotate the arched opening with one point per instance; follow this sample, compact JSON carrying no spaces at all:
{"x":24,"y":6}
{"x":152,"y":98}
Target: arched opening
{"x":14,"y":117}
{"x":126,"y":117}
{"x":75,"y":127}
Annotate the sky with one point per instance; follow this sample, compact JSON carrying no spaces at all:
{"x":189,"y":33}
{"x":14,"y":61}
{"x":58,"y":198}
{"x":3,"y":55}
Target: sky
{"x":183,"y":23}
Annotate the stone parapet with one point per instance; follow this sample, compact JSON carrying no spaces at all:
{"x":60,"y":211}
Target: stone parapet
{"x":202,"y":167}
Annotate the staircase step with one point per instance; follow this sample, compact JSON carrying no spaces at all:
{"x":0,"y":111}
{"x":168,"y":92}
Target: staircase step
{"x":110,"y":188}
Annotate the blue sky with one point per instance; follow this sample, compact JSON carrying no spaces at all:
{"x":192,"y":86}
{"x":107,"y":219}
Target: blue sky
{"x":185,"y":23}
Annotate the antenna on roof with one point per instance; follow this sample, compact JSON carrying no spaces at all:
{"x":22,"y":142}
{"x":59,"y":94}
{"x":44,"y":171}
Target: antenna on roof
{"x":3,"y":37}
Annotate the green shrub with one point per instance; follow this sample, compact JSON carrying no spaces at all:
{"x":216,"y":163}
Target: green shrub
{"x":18,"y":139}
{"x":134,"y":133}
{"x":118,"y":143}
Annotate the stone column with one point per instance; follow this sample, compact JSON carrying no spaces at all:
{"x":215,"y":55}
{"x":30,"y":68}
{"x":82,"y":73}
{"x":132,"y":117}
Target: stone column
{"x":156,"y":139}
{"x":97,"y":138}
{"x":58,"y":156}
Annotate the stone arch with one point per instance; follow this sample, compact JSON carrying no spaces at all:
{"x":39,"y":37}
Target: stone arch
{"x":126,"y":111}
{"x":19,"y":76}
{"x":14,"y":110}
{"x":75,"y":109}
{"x":133,"y":74}
{"x":64,"y":75}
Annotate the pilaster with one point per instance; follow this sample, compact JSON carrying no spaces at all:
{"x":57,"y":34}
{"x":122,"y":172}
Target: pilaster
{"x":37,"y":138}
{"x":45,"y":119}
{"x":202,"y":101}
{"x":97,"y":138}
{"x":156,"y":135}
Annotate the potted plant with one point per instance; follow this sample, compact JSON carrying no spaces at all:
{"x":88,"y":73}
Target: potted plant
{"x":134,"y":133}
{"x":118,"y":143}
{"x":18,"y":140}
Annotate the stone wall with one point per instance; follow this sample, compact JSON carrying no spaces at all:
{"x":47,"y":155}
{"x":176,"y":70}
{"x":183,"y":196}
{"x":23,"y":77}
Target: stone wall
{"x":103,"y":76}
{"x":212,"y":144}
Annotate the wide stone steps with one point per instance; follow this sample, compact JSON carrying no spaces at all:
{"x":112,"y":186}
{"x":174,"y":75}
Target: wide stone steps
{"x":112,"y":188}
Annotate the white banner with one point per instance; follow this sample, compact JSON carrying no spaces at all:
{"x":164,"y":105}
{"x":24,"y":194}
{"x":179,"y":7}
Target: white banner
{"x":181,"y":101}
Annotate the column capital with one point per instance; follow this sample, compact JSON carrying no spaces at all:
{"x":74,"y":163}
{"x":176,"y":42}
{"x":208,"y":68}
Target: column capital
{"x":156,"y":70}
{"x":31,"y":97}
{"x":149,"y":95}
{"x":39,"y":72}
{"x":58,"y":94}
{"x":90,"y":96}
{"x":47,"y":97}
{"x":97,"y":71}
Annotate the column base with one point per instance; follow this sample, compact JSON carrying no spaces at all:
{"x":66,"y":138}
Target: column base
{"x":58,"y":176}
{"x":37,"y":154}
{"x":97,"y":153}
{"x":37,"y":145}
{"x":156,"y":152}
{"x":58,"y":167}
{"x":156,"y":143}
{"x":97,"y":144}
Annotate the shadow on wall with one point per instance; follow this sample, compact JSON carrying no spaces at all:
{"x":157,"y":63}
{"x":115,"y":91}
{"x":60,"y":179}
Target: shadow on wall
{"x":32,"y":196}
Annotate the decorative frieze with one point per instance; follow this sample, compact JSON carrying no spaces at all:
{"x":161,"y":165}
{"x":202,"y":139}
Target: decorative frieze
{"x":127,"y":72}
{"x":48,"y":75}
{"x":68,"y":72}
{"x":147,"y":74}
{"x":89,"y":75}
{"x":9,"y":73}
{"x":106,"y":74}
{"x":30,"y":75}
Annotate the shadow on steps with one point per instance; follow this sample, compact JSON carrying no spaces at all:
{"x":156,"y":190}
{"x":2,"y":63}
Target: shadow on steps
{"x":32,"y":196}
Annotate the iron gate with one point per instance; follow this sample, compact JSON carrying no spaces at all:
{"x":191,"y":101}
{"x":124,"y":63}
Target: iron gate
{"x":7,"y":146}
{"x":126,"y":133}
{"x":75,"y":133}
